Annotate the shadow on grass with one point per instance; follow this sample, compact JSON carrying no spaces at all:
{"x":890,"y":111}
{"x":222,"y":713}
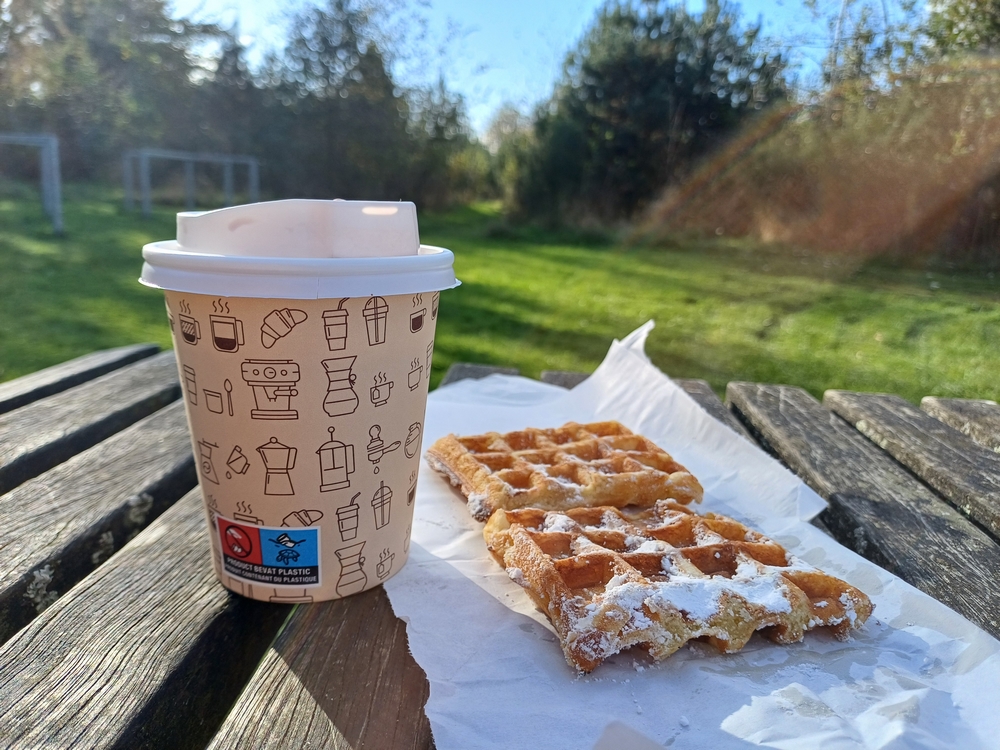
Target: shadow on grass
{"x":480,"y":311}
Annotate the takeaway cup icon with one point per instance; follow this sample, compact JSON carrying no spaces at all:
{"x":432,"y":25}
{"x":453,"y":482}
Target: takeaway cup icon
{"x":335,"y":327}
{"x":376,"y":312}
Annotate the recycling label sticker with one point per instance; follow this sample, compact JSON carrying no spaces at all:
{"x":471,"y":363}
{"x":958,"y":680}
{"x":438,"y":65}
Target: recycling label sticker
{"x":274,"y":556}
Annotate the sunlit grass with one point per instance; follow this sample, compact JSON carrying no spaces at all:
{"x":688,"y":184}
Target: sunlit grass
{"x":725,"y":310}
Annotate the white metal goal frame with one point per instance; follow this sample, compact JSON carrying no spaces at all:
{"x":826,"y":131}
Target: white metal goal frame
{"x":51,"y":178}
{"x":139,"y":159}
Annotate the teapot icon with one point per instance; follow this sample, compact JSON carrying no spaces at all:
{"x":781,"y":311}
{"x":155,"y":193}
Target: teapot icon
{"x":412,"y":443}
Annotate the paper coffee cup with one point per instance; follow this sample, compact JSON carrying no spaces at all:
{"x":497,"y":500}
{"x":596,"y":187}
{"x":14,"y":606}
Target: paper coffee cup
{"x":306,"y":406}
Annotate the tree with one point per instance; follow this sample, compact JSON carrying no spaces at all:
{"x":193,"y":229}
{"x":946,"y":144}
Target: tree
{"x":101,"y":74}
{"x":325,"y":116}
{"x":649,"y":88}
{"x":964,"y":25}
{"x":445,"y":162}
{"x":873,"y":42}
{"x":341,"y":126}
{"x":510,"y":139}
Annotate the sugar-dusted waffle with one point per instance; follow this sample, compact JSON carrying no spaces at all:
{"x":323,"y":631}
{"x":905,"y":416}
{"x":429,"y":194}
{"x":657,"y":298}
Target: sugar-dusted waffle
{"x":575,"y":465}
{"x":609,"y":579}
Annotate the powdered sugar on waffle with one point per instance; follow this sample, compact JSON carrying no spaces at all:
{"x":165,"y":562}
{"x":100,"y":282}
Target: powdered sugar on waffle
{"x":478,"y":503}
{"x":608,"y":583}
{"x":696,"y":598}
{"x":558,"y":522}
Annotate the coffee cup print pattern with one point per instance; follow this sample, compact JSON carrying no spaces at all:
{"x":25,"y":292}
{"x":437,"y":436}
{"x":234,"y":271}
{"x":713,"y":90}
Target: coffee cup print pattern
{"x":298,"y":408}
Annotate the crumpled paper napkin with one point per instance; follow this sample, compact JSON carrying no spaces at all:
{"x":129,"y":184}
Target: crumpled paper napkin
{"x":918,"y":675}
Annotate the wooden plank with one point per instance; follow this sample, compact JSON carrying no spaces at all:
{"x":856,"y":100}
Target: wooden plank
{"x":147,"y":651}
{"x":962,"y":471}
{"x":59,"y":526}
{"x":876,"y":506}
{"x":52,"y":380}
{"x":40,"y":435}
{"x":464,"y":370}
{"x":702,"y":392}
{"x":979,"y":419}
{"x":340,"y":675}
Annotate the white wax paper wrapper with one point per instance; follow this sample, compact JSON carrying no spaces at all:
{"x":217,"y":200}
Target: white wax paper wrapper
{"x":918,"y":675}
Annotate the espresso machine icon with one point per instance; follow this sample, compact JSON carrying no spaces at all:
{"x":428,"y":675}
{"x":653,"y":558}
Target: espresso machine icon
{"x":273,"y":382}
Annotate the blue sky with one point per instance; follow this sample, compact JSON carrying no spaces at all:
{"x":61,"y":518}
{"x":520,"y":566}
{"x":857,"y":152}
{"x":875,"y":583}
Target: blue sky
{"x":510,"y":51}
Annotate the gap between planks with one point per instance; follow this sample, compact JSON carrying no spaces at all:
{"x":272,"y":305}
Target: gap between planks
{"x":47,"y":432}
{"x":58,"y":378}
{"x":59,"y":526}
{"x":147,"y":651}
{"x":963,"y":472}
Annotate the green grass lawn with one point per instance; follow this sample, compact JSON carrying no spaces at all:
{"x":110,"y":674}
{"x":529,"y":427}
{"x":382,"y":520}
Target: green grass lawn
{"x":725,"y":310}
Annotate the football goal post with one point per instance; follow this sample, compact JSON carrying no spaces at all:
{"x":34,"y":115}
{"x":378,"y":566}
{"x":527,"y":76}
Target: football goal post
{"x":48,"y":146}
{"x":138,"y":161}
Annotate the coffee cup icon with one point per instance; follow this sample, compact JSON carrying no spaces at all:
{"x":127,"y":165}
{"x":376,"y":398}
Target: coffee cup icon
{"x":380,"y":392}
{"x":413,"y":376}
{"x":417,"y":319}
{"x":227,"y":333}
{"x":190,"y":330}
{"x":384,"y":563}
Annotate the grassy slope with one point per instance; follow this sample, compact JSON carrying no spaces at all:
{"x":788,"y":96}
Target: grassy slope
{"x":724,"y":310}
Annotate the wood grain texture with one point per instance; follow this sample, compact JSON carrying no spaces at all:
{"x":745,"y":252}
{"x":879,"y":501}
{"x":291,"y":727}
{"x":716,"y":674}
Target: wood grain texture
{"x":702,"y":392}
{"x":58,"y":378}
{"x":45,"y":433}
{"x":962,"y":471}
{"x":980,"y":420}
{"x":340,"y":675}
{"x":877,"y":507}
{"x":465,"y":370}
{"x":149,"y":651}
{"x":59,"y":526}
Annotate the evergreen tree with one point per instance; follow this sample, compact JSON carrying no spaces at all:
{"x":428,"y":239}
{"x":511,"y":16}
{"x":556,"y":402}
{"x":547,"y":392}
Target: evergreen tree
{"x":649,"y":88}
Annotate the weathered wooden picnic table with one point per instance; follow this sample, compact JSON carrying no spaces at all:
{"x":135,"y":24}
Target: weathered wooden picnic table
{"x":115,"y":633}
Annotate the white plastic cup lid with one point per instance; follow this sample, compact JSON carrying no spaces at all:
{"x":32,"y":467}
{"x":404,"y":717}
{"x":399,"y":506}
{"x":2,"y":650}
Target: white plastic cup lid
{"x":299,"y":249}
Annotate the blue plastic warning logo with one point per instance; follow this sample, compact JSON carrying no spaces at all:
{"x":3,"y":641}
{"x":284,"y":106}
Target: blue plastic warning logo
{"x":275,"y":556}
